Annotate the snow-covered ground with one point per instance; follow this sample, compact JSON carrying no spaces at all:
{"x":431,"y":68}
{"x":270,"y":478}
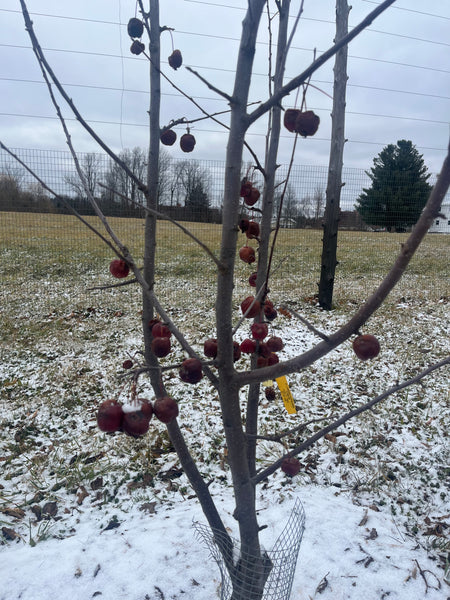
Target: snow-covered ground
{"x":85,"y":514}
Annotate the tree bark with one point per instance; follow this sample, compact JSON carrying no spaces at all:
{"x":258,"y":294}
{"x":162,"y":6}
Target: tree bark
{"x":334,"y":184}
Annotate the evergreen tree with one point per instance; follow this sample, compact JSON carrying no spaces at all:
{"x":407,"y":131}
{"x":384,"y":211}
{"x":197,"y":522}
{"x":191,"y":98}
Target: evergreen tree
{"x":399,"y":188}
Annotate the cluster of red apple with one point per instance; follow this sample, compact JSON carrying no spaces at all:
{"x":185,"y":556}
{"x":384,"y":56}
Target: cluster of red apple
{"x":168,"y":137}
{"x":135,"y":28}
{"x":302,"y":122}
{"x":134,"y":419}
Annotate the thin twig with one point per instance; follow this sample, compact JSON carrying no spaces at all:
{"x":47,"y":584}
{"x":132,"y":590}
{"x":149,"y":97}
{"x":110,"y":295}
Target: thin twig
{"x":286,"y":432}
{"x":357,"y":411}
{"x":43,"y":62}
{"x":209,"y":85}
{"x":113,"y":285}
{"x":428,"y":586}
{"x":164,"y":217}
{"x":305,"y":322}
{"x":323,"y":58}
{"x":60,"y":198}
{"x":208,"y":115}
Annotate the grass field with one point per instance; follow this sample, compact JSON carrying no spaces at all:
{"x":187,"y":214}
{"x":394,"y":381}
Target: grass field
{"x":58,"y":245}
{"x":62,"y":347}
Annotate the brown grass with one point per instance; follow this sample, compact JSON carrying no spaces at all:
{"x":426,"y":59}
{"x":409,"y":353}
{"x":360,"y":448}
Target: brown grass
{"x":42,"y":242}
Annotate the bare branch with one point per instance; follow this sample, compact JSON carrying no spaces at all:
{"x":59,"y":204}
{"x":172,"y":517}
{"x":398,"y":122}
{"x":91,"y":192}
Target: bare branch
{"x":286,"y":432}
{"x":47,"y":68}
{"x":164,"y":217}
{"x":305,"y":322}
{"x":60,"y":198}
{"x":209,"y":85}
{"x":357,"y":411}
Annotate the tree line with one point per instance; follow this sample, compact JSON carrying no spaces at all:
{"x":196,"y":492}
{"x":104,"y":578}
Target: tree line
{"x":394,"y":201}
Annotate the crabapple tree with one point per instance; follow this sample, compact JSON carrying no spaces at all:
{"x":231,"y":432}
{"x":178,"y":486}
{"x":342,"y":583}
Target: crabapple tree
{"x":247,"y":235}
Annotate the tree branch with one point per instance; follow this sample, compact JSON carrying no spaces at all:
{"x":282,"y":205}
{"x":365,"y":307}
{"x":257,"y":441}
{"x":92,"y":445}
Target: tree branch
{"x":209,"y":85}
{"x":297,"y":81}
{"x":357,"y":411}
{"x":46,"y":66}
{"x":61,"y":199}
{"x":164,"y":217}
{"x":305,"y":322}
{"x":376,"y":299}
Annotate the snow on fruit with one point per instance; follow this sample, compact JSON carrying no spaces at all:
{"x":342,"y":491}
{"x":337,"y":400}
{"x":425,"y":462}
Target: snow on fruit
{"x":110,"y":416}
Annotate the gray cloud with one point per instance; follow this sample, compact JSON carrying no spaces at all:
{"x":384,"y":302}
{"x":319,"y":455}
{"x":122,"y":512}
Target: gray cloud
{"x":398,"y":84}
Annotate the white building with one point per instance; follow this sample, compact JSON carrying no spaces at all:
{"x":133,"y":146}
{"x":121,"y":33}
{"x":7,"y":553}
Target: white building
{"x":441,"y":223}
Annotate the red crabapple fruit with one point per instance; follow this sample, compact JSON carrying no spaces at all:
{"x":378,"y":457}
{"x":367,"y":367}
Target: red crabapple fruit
{"x":135,"y":28}
{"x":110,"y":416}
{"x":210,"y":348}
{"x":270,"y":393}
{"x":246,"y":188}
{"x":191,"y":370}
{"x":248,"y":346}
{"x":366,"y":346}
{"x":187,"y":142}
{"x":119,"y":268}
{"x":252,"y":231}
{"x":306,"y":123}
{"x":290,"y":466}
{"x":165,"y":409}
{"x":275,"y":344}
{"x":253,"y":197}
{"x":137,"y":47}
{"x":135,"y":423}
{"x":259,"y":330}
{"x":254,"y":304}
{"x":175,"y":59}
{"x":160,"y":330}
{"x":247,"y":254}
{"x":290,"y":115}
{"x":168,"y":137}
{"x":161,"y":346}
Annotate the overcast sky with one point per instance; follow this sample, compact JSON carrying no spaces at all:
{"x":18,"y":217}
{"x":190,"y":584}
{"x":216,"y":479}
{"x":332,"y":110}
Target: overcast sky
{"x":398,"y":86}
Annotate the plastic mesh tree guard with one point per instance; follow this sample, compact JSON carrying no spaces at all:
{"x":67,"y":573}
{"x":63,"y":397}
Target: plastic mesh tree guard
{"x":277,"y":565}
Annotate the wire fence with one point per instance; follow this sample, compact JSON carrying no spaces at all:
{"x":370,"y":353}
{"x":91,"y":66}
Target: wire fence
{"x":191,"y":191}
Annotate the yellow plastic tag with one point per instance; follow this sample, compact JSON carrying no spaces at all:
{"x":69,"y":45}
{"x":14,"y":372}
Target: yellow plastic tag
{"x":286,"y":395}
{"x":268,"y":383}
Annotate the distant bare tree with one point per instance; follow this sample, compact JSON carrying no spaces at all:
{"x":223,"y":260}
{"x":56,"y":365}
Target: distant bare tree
{"x":91,"y":166}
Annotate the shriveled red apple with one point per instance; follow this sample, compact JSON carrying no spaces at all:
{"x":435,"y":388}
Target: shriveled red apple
{"x":366,"y":346}
{"x":191,"y":370}
{"x":165,"y":409}
{"x":110,"y":416}
{"x":119,"y":268}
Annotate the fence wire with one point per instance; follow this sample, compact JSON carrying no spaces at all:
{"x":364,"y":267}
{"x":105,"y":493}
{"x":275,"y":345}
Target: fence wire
{"x":32,"y":223}
{"x":281,"y":561}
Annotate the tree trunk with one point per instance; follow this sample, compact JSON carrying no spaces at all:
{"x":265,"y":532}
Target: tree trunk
{"x":334,"y":184}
